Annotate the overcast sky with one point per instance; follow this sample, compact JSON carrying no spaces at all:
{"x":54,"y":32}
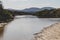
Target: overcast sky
{"x":22,"y":4}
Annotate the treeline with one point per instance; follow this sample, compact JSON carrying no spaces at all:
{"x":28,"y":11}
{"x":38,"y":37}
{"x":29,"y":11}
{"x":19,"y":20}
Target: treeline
{"x":53,"y":13}
{"x":7,"y":15}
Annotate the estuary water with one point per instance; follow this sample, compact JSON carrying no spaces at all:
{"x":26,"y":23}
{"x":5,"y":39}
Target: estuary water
{"x":23,"y":27}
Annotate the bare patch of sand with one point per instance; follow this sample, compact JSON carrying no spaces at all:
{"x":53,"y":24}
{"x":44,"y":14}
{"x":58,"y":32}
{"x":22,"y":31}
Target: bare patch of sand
{"x":49,"y":33}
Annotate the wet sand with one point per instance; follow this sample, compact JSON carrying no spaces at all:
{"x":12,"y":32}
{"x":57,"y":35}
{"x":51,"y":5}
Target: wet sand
{"x":2,"y":25}
{"x":1,"y":33}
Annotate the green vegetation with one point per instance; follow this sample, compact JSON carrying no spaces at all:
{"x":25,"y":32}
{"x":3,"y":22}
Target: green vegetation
{"x":53,"y":13}
{"x":8,"y":15}
{"x":5,"y":15}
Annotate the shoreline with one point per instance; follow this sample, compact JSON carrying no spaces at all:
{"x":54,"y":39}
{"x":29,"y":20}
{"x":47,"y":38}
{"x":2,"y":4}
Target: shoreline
{"x":2,"y":25}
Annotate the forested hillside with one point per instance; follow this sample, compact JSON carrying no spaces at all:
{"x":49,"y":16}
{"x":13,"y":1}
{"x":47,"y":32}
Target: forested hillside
{"x":53,"y":13}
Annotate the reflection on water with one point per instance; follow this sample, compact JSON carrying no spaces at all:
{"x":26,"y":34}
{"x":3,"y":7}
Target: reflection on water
{"x":24,"y":27}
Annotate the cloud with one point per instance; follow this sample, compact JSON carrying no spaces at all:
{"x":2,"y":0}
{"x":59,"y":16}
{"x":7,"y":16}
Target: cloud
{"x":21,"y":4}
{"x":16,"y":0}
{"x":23,"y":0}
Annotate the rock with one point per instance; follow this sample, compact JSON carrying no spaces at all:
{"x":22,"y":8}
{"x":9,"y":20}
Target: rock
{"x":49,"y":33}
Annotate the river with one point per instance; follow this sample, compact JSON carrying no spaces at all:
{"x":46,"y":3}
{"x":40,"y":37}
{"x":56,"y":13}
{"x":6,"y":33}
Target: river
{"x":23,"y":27}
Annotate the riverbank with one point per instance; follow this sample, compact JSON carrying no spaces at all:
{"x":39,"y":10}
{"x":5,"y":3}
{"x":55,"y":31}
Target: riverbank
{"x":2,"y":25}
{"x":49,"y":33}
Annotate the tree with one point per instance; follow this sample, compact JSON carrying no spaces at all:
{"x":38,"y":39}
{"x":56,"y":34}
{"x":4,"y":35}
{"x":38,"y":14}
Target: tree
{"x":5,"y":15}
{"x":1,"y":8}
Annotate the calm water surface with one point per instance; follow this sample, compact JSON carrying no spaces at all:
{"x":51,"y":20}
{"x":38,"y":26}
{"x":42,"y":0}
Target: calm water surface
{"x":23,"y":27}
